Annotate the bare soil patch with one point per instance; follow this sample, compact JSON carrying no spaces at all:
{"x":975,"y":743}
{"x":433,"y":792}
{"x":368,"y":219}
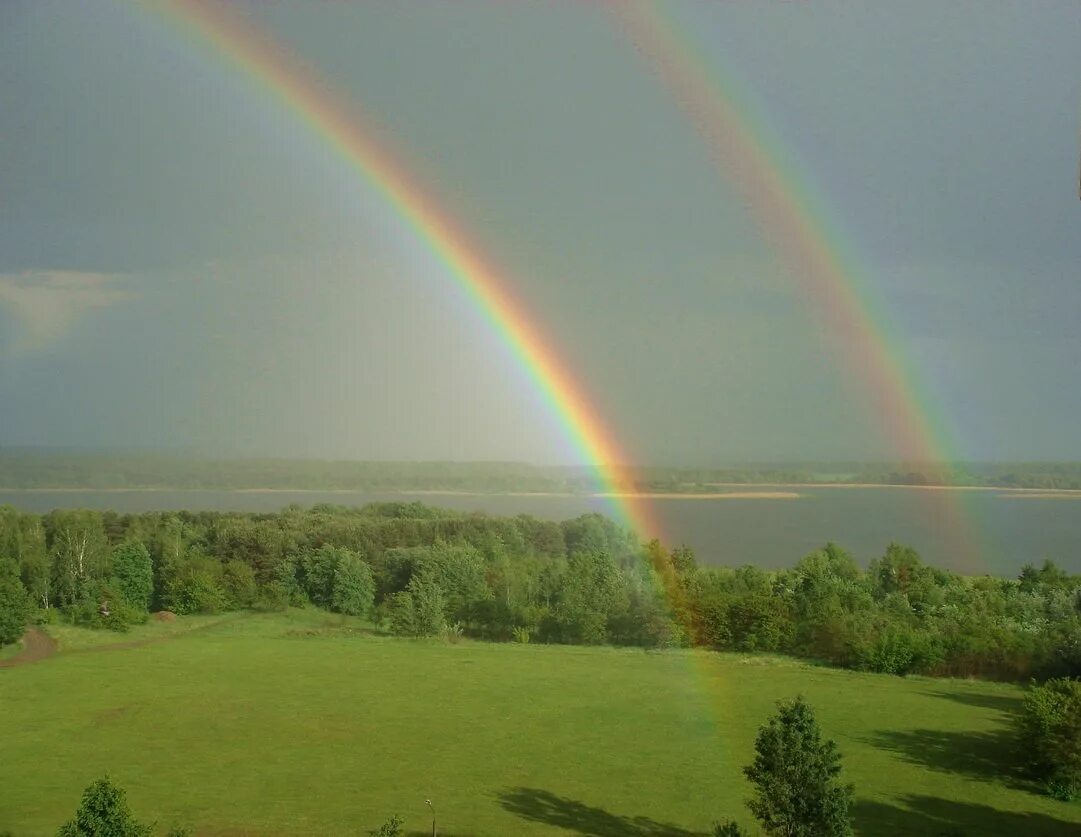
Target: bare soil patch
{"x":37,"y":645}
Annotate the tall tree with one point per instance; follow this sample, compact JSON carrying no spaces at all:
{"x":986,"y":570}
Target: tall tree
{"x":14,"y":604}
{"x":798,"y":792}
{"x":354,"y":587}
{"x":134,"y":573}
{"x":104,"y":812}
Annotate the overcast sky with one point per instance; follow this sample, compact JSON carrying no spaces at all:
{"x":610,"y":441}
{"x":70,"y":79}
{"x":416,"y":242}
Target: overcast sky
{"x":184,"y":264}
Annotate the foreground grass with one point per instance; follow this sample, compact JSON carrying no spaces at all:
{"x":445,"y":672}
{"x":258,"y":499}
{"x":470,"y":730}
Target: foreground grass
{"x":304,"y":724}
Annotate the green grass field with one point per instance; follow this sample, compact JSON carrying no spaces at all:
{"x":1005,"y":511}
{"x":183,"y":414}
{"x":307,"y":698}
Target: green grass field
{"x":303,"y":724}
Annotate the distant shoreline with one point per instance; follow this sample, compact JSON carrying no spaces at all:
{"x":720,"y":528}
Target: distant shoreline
{"x":745,"y":491}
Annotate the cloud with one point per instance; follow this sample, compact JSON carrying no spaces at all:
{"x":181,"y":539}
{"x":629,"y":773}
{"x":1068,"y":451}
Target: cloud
{"x":45,"y":304}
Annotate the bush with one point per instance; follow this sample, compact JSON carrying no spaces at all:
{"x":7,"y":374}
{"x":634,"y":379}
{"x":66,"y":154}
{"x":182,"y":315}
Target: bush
{"x":102,"y":607}
{"x":103,"y":812}
{"x":391,"y":828}
{"x":1050,"y":726}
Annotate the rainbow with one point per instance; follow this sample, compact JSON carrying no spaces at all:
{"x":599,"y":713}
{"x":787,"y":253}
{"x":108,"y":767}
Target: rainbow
{"x":798,"y":223}
{"x":791,"y":213}
{"x":241,"y":43}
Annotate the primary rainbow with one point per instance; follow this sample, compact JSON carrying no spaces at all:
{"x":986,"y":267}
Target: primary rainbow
{"x":798,"y":223}
{"x":343,"y":126}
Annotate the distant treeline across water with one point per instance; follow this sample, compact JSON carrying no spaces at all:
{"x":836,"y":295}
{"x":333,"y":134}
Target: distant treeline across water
{"x":770,"y":528}
{"x":36,"y":469}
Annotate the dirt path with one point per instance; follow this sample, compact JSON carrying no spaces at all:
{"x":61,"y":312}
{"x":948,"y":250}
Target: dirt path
{"x":37,"y":645}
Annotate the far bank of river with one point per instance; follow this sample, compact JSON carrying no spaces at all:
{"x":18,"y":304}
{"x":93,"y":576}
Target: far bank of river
{"x":992,"y":530}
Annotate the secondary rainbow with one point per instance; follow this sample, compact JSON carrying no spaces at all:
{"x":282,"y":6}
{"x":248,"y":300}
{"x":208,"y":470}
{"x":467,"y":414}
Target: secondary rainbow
{"x":241,"y":42}
{"x":797,"y":222}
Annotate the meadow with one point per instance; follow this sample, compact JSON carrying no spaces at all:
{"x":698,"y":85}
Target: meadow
{"x":309,"y":723}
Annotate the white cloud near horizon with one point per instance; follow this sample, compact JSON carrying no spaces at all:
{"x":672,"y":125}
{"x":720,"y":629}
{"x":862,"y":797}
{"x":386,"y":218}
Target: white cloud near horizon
{"x":45,"y":304}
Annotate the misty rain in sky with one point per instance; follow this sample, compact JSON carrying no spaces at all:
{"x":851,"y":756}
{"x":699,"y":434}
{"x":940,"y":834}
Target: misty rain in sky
{"x":621,"y":418}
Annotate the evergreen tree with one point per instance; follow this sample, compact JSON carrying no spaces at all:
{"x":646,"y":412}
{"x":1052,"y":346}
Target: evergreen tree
{"x":796,"y":777}
{"x":14,"y":604}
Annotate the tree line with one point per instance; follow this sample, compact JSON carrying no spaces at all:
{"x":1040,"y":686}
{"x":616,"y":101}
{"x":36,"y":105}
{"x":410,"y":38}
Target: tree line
{"x":23,"y":469}
{"x":423,"y":571}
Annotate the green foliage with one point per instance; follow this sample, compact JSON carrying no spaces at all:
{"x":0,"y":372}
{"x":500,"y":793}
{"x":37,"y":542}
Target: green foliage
{"x":354,"y":587}
{"x":238,"y":584}
{"x":419,"y":609}
{"x":729,"y":828}
{"x":14,"y":606}
{"x":391,"y":828}
{"x":1050,"y":727}
{"x":103,"y":812}
{"x":102,"y":606}
{"x":194,"y":586}
{"x":133,"y":574}
{"x":318,"y":569}
{"x":796,"y":777}
{"x":78,"y":552}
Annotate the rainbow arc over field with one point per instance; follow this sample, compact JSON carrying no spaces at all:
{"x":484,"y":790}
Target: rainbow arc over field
{"x":797,"y":221}
{"x":243,"y":44}
{"x":791,"y":215}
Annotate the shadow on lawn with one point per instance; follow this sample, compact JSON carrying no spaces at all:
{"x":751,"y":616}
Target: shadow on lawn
{"x":544,"y":806}
{"x":1006,"y":704}
{"x":928,"y":815}
{"x":986,"y":756}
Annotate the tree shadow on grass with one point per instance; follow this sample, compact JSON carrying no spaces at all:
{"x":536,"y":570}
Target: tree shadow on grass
{"x":544,"y":806}
{"x":986,"y":756}
{"x":1006,"y":704}
{"x":928,"y":815}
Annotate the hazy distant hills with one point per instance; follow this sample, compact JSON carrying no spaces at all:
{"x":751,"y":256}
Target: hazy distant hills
{"x":66,"y":469}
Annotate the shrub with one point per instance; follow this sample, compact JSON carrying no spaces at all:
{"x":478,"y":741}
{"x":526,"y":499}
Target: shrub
{"x":1050,"y":726}
{"x":391,"y":828}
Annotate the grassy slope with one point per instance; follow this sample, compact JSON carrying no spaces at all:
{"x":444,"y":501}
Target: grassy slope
{"x":252,"y":727}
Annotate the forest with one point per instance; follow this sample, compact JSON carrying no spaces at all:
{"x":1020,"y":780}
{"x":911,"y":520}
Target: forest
{"x":421,"y":571}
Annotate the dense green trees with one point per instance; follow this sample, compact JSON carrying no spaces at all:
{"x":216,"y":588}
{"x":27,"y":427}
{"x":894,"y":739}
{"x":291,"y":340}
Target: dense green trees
{"x":580,"y":581}
{"x":1050,"y":726}
{"x":796,"y":777}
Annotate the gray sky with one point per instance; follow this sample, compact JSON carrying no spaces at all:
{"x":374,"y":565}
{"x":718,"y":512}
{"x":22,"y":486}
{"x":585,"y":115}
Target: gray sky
{"x":183,"y":264}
